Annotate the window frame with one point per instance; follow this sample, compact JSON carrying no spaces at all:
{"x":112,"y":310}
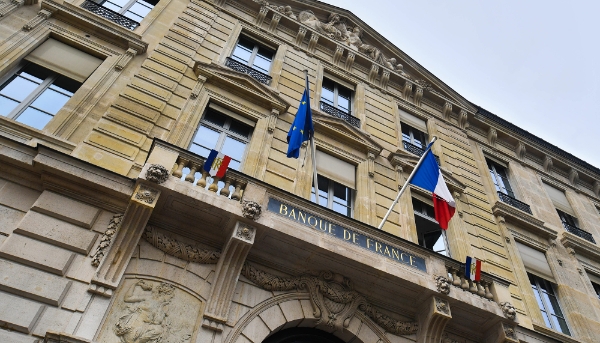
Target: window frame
{"x":24,"y":104}
{"x":336,"y":91}
{"x":548,"y":310}
{"x":421,"y":235}
{"x":412,"y":132}
{"x":128,"y":6}
{"x":497,"y":178}
{"x":330,"y":196}
{"x":257,"y":46}
{"x":224,"y":132}
{"x":568,"y":219}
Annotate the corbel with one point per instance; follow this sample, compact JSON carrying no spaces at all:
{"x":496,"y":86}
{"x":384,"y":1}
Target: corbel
{"x":548,"y":164}
{"x":226,"y":278}
{"x":274,"y":22}
{"x":433,"y":317}
{"x":273,"y":120}
{"x":418,"y":95}
{"x":349,"y":61}
{"x":573,"y":177}
{"x":373,"y":72}
{"x":596,"y":187}
{"x":197,"y":87}
{"x":385,"y":78}
{"x":502,"y":333}
{"x":371,"y":163}
{"x":125,"y":58}
{"x":521,"y":151}
{"x":337,"y":55}
{"x":407,"y":90}
{"x":447,"y":110}
{"x":262,"y":13}
{"x":7,"y":7}
{"x":41,"y":16}
{"x":492,"y":136}
{"x":111,"y":269}
{"x":312,"y":43}
{"x":463,"y":119}
{"x":300,"y":36}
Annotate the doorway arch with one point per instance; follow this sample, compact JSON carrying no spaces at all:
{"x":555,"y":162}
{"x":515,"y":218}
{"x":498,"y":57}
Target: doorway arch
{"x":302,"y":335}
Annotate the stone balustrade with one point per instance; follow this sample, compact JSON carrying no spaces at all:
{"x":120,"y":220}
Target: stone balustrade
{"x":457,"y":278}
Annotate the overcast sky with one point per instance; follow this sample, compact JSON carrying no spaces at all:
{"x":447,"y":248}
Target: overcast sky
{"x":531,"y":62}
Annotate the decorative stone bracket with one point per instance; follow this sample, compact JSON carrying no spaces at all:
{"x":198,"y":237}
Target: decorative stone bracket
{"x":434,"y":316}
{"x":42,"y":16}
{"x":7,"y":7}
{"x":125,"y":58}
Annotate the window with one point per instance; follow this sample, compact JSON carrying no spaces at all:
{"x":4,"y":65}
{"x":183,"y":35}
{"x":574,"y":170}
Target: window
{"x":337,"y":182}
{"x":336,"y":96}
{"x":431,"y":236}
{"x":548,"y":304}
{"x":413,"y":136}
{"x":414,"y":133}
{"x":567,"y":219}
{"x":44,"y":82}
{"x":595,"y":280}
{"x":224,"y":133}
{"x":135,"y":10}
{"x":253,"y":55}
{"x":500,"y":178}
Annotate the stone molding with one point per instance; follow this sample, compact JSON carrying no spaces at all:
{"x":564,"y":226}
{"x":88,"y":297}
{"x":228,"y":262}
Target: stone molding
{"x":113,"y":226}
{"x":524,"y":220}
{"x":182,"y":251}
{"x":62,"y":337}
{"x":580,"y":246}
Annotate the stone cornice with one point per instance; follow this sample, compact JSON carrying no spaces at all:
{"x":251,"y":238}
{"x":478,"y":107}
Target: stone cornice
{"x":580,"y":246}
{"x":80,"y":17}
{"x":523,"y":220}
{"x":554,"y":334}
{"x":329,"y":125}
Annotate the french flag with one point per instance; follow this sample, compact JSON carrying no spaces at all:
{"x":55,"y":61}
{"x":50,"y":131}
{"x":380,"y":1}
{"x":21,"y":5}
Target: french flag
{"x":428,"y":176}
{"x":216,"y":164}
{"x":473,"y":269}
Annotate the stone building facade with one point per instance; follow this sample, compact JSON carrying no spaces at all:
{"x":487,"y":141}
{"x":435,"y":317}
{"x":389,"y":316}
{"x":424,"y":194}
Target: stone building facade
{"x":110,"y":230}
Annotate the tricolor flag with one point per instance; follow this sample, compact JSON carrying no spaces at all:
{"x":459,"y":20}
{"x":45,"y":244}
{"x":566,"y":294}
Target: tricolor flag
{"x":473,"y":269}
{"x":429,"y":177}
{"x":216,"y":164}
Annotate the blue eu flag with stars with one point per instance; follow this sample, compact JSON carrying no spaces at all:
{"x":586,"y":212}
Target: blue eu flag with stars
{"x":302,"y":128}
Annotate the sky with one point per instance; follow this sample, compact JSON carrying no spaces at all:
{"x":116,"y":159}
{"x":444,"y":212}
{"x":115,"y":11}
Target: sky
{"x":533,"y":62}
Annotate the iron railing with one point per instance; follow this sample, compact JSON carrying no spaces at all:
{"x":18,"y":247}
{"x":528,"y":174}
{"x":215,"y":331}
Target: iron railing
{"x":579,"y":232}
{"x":350,"y":119}
{"x":110,"y":15}
{"x":507,"y":199}
{"x":417,"y":150}
{"x":242,"y":68}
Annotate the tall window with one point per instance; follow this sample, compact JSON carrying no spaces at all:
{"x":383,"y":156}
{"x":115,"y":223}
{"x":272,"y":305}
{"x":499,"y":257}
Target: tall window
{"x":135,"y":10}
{"x":500,"y":178}
{"x":34,"y":94}
{"x":548,"y":304}
{"x":253,"y":55}
{"x":567,"y":219}
{"x":413,"y":136}
{"x":429,"y":232}
{"x":595,"y":280}
{"x":334,"y":195}
{"x":224,"y":134}
{"x":336,"y":96}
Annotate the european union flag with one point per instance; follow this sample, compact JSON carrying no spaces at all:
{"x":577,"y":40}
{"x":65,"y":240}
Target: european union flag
{"x":302,"y":128}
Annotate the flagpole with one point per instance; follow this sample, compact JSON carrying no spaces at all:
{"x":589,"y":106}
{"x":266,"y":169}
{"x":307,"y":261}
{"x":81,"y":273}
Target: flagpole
{"x":406,"y":184}
{"x":312,"y":146}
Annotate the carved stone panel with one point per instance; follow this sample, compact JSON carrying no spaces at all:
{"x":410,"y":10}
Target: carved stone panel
{"x":151,"y":311}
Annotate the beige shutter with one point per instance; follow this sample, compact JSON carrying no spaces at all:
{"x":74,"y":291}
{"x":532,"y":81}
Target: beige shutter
{"x":559,"y":199}
{"x":535,"y":262}
{"x":339,"y":81}
{"x":413,"y":121}
{"x":336,"y":169}
{"x":232,"y":114}
{"x":64,"y":59}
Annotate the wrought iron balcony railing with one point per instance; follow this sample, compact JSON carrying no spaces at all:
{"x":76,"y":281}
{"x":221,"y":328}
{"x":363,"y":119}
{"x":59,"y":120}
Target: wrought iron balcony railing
{"x":242,"y":68}
{"x":579,"y":232}
{"x":110,"y":15}
{"x":507,"y":199}
{"x":414,"y":149}
{"x":350,"y":119}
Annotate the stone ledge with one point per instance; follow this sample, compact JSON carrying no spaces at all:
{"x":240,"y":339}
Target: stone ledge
{"x":523,"y":220}
{"x":62,"y":337}
{"x":580,"y":245}
{"x":32,"y":137}
{"x":554,"y":334}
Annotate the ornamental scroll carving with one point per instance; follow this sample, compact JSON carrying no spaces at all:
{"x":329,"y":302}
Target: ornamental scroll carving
{"x":113,"y":226}
{"x":332,"y":296}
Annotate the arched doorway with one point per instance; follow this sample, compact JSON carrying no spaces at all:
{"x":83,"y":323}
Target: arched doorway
{"x":302,"y":335}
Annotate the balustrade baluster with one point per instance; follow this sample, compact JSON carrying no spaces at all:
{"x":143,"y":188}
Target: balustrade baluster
{"x":480,"y":290}
{"x":202,"y":180}
{"x":237,"y":193}
{"x":214,"y":186}
{"x":473,"y":287}
{"x":225,"y":190}
{"x":181,"y":163}
{"x":465,"y":283}
{"x":455,"y":278}
{"x":191,"y":176}
{"x":488,"y":294}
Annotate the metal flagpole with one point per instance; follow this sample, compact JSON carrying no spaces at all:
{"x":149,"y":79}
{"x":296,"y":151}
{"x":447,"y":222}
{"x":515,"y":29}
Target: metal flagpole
{"x":406,"y":184}
{"x":312,"y":145}
{"x":446,"y":243}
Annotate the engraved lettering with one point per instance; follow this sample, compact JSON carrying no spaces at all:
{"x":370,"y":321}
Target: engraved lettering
{"x":378,"y":247}
{"x":347,"y":235}
{"x":302,"y":215}
{"x":411,"y":260}
{"x":331,"y":229}
{"x":309,"y":223}
{"x":395,"y":254}
{"x":293,"y":213}
{"x":283,"y":209}
{"x":387,"y":251}
{"x":369,"y":243}
{"x":321,"y":226}
{"x":354,"y":238}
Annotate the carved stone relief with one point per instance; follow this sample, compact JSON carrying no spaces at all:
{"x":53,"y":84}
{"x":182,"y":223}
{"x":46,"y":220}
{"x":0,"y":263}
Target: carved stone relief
{"x":146,"y":194}
{"x":142,"y":312}
{"x":179,"y":249}
{"x":442,"y":306}
{"x":157,"y":173}
{"x":106,"y":239}
{"x":251,"y":210}
{"x":443,"y":285}
{"x":509,"y":310}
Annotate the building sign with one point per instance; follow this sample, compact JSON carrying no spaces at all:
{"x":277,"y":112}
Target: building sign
{"x":346,"y":235}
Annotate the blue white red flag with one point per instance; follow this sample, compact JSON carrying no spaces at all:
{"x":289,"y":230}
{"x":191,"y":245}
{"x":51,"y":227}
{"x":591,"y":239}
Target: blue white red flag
{"x":473,"y":269}
{"x":429,"y":177}
{"x":216,"y":164}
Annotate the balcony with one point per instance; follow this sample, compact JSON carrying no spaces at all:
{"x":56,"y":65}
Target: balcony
{"x":242,"y":68}
{"x":350,"y":119}
{"x":110,"y":15}
{"x":507,"y":199}
{"x":414,"y":149}
{"x":579,"y":232}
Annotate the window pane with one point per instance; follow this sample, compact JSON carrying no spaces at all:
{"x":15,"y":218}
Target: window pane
{"x":327,"y":96}
{"x":341,"y":194}
{"x":262,"y":64}
{"x":6,"y":105}
{"x":242,"y":52}
{"x":140,"y":9}
{"x":341,"y":209}
{"x":561,"y":325}
{"x":117,"y":3}
{"x":546,"y":319}
{"x":133,"y":16}
{"x":18,"y":88}
{"x":328,"y":84}
{"x":240,"y":128}
{"x":344,"y":104}
{"x":196,"y":149}
{"x":235,"y":165}
{"x":50,"y":101}
{"x":34,"y":118}
{"x":206,"y":137}
{"x":35,"y":73}
{"x":233,"y":148}
{"x":65,"y":85}
{"x":431,"y":239}
{"x":111,"y":6}
{"x":215,"y":118}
